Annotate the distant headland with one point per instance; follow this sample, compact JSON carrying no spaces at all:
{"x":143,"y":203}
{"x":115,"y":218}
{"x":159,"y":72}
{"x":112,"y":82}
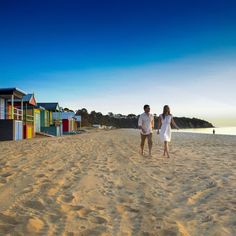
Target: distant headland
{"x":131,"y":120}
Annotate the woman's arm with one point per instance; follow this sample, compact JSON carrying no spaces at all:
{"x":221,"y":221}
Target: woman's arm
{"x":152,"y":123}
{"x":174,"y":124}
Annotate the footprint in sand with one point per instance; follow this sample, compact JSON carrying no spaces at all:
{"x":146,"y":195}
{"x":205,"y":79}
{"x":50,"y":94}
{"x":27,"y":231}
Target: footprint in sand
{"x":27,"y":190}
{"x":60,"y":171}
{"x":3,"y":180}
{"x":67,"y":186}
{"x":5,"y":175}
{"x":134,"y":178}
{"x":59,"y":229}
{"x":170,"y":232}
{"x":206,"y":218}
{"x":77,"y":173}
{"x":8,"y":219}
{"x":76,"y":208}
{"x":35,"y":204}
{"x":67,"y":198}
{"x":82,"y":227}
{"x":54,"y":218}
{"x":211,"y":184}
{"x":7,"y":224}
{"x":84,"y":212}
{"x":40,"y":175}
{"x":100,"y":230}
{"x":97,"y":220}
{"x":155,"y":194}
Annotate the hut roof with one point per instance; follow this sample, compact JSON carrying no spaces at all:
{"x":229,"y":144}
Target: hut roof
{"x":51,"y":106}
{"x":29,"y":98}
{"x":7,"y":92}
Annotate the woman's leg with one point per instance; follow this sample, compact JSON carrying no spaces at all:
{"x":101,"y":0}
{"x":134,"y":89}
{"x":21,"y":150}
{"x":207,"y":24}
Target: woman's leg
{"x":150,"y":144}
{"x":166,"y":149}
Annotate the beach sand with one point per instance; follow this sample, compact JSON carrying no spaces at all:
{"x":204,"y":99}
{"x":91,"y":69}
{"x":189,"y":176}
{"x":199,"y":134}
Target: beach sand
{"x":98,"y":184}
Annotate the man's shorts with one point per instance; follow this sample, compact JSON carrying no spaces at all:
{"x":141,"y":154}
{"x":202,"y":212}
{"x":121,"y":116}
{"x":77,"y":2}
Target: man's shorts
{"x":144,"y":136}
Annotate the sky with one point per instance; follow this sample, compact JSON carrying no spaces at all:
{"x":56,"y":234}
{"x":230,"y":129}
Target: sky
{"x":116,"y":56}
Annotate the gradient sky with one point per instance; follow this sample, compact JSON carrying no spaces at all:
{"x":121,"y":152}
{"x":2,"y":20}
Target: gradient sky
{"x":115,"y":56}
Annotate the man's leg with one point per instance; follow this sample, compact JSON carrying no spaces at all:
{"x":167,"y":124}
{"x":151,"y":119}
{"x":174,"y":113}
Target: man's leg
{"x":143,"y":137}
{"x":150,"y":144}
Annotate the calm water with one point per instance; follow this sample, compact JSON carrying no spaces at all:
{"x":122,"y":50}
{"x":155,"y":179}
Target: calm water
{"x":220,"y":130}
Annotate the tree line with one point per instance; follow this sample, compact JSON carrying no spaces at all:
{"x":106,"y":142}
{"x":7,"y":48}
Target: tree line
{"x":131,"y":120}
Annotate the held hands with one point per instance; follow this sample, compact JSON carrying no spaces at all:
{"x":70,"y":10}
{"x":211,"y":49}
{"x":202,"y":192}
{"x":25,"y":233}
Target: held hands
{"x":143,"y":131}
{"x":158,"y":131}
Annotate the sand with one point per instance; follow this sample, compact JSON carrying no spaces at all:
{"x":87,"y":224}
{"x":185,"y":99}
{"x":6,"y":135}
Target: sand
{"x":97,"y":184}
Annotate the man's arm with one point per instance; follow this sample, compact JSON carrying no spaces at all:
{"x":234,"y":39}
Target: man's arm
{"x":140,"y":124}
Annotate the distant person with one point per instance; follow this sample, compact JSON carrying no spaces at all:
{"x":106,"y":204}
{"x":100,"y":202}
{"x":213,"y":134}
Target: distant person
{"x":164,"y":123}
{"x":146,"y":125}
{"x":214,"y":131}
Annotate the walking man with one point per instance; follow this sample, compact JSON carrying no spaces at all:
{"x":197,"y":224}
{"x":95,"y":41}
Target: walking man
{"x":146,"y":125}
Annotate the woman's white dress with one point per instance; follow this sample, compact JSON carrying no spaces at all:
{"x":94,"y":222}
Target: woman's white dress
{"x":165,"y":133}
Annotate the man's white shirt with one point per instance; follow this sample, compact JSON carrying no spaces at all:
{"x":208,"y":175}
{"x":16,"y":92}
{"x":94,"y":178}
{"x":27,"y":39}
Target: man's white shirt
{"x":146,"y":121}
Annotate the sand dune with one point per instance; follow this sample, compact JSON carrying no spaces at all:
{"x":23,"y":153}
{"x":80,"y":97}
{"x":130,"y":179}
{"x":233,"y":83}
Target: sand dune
{"x":97,"y":184}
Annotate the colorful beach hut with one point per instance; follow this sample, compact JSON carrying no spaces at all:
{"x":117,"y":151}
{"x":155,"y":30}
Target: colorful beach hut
{"x":11,"y":116}
{"x":69,"y":122}
{"x":52,"y":122}
{"x":29,"y":107}
{"x":45,"y":118}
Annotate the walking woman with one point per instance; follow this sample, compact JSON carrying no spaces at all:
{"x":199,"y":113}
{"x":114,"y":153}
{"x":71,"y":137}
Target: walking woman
{"x":165,"y":121}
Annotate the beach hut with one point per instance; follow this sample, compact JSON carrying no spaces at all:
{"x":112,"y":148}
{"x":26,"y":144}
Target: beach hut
{"x":52,"y":123}
{"x":37,"y":120}
{"x":69,"y":122}
{"x":29,"y":107}
{"x":11,"y":117}
{"x":44,"y":118}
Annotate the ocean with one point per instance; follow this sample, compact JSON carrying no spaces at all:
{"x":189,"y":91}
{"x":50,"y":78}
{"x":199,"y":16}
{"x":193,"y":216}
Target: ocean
{"x":218,"y":130}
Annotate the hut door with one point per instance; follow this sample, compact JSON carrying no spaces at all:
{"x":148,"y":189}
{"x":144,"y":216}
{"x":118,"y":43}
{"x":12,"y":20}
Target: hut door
{"x":18,"y":130}
{"x":37,"y":119}
{"x":2,"y":108}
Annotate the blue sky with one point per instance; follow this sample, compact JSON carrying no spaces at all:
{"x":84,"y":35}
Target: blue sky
{"x":117,"y":55}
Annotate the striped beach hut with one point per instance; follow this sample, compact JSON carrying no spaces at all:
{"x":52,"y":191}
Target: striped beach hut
{"x":52,"y":117}
{"x":29,"y":107}
{"x":11,"y":116}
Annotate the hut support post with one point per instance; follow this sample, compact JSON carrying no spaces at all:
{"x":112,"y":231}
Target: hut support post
{"x":12,"y":107}
{"x":22,"y":109}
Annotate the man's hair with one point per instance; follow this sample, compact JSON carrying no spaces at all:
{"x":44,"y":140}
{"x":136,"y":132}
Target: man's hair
{"x":145,"y":106}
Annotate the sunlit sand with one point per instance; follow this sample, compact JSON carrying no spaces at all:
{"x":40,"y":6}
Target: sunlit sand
{"x":98,"y":184}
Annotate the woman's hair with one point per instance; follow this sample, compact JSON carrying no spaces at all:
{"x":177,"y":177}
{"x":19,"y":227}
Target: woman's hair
{"x":166,"y":110}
